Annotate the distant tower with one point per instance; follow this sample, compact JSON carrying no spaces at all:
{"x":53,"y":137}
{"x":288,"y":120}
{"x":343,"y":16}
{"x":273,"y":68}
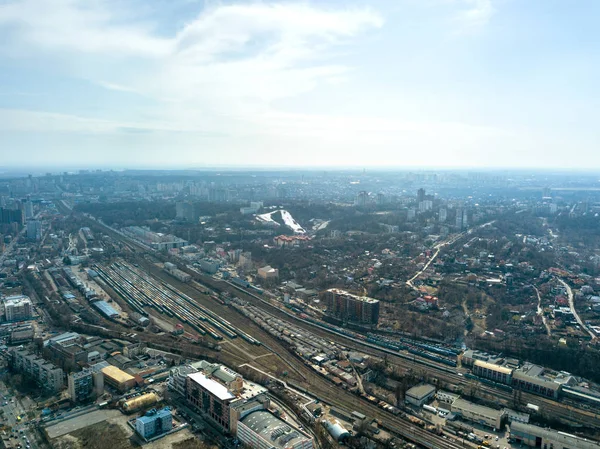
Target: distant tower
{"x":443,"y":215}
{"x":546,"y":193}
{"x":420,"y":195}
{"x":459,"y":219}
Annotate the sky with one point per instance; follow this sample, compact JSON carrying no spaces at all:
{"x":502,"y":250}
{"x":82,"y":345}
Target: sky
{"x":386,"y":83}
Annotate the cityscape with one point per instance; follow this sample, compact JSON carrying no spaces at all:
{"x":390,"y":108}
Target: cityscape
{"x":300,"y":309}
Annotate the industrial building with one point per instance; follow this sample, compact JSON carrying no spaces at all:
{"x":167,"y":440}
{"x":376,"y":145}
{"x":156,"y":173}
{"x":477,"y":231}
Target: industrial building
{"x":155,"y":240}
{"x":547,"y":438}
{"x":268,"y":273}
{"x":420,"y":394}
{"x":477,"y":413}
{"x":535,"y":379}
{"x":106,"y":309}
{"x":118,"y":379}
{"x":497,"y":373}
{"x":139,"y":402}
{"x":262,"y":430}
{"x":349,"y":307}
{"x":338,"y":432}
{"x":17,"y":308}
{"x":45,"y":374}
{"x":154,"y":423}
{"x":176,"y":272}
{"x":223,"y":396}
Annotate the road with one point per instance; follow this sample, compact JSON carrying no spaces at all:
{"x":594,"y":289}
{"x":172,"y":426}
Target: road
{"x":439,"y":247}
{"x":11,"y":245}
{"x":572,"y":307}
{"x":540,"y":311}
{"x":24,"y":431}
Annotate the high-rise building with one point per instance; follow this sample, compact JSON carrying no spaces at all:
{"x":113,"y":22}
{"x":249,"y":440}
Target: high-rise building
{"x":420,"y":195}
{"x":459,"y":219}
{"x":362,"y":199}
{"x":443,"y":215}
{"x":45,"y":374}
{"x":187,"y":211}
{"x":28,"y":208}
{"x":86,"y":384}
{"x":222,"y":396}
{"x":8,"y":216}
{"x":17,"y":308}
{"x":353,"y":308}
{"x":34,"y":230}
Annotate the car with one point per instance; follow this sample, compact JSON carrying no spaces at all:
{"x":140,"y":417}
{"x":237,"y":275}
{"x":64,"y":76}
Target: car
{"x":496,"y":438}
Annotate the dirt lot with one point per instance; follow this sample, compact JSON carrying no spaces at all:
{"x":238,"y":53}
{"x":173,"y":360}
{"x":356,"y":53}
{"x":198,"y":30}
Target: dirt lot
{"x":116,"y":434}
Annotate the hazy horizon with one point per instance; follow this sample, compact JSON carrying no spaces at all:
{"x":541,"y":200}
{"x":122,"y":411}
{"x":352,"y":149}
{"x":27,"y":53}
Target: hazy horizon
{"x":453,"y":84}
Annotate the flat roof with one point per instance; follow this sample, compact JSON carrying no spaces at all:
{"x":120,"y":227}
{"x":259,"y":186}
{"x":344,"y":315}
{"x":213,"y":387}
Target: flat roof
{"x":340,"y":292}
{"x":276,"y":432}
{"x":554,"y":435}
{"x":117,"y":374}
{"x":211,"y":385}
{"x":461,"y":404}
{"x":420,"y":391}
{"x":493,"y":367}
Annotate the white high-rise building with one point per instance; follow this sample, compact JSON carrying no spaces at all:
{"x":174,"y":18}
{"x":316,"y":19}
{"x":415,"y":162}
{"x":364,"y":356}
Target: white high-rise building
{"x":17,"y":308}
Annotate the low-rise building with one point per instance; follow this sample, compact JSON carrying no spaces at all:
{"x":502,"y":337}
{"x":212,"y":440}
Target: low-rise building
{"x":420,"y":394}
{"x":532,"y":378}
{"x":154,"y":423}
{"x":497,"y":373}
{"x":547,"y":438}
{"x":477,"y":413}
{"x":262,"y":430}
{"x":446,"y":396}
{"x":118,"y":379}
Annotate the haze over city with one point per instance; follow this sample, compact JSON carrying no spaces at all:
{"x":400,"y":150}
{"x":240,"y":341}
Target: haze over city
{"x":404,"y":83}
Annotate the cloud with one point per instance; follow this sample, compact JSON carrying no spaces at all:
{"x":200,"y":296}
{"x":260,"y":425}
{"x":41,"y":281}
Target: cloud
{"x":228,"y":61}
{"x":472,"y":15}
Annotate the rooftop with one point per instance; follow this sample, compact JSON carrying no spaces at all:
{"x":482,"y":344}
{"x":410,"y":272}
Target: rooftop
{"x":340,"y":292}
{"x":118,"y":375}
{"x":214,"y":387}
{"x":275,"y":431}
{"x":461,"y":404}
{"x":421,"y":391}
{"x":493,"y":366}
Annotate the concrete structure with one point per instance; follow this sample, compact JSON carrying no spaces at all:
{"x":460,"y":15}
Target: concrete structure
{"x":262,"y":430}
{"x":420,"y":394}
{"x":349,"y":307}
{"x":547,"y":438}
{"x":34,"y":230}
{"x":533,"y":378}
{"x":118,"y":379}
{"x":17,"y":308}
{"x":338,"y":432}
{"x":45,"y":374}
{"x":222,"y":395}
{"x":446,"y":396}
{"x":497,"y":373}
{"x":482,"y":415}
{"x":154,"y":423}
{"x":85,"y":385}
{"x":268,"y":273}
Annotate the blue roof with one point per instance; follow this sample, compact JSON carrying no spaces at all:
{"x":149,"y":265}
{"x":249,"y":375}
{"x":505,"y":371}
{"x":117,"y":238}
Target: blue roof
{"x":105,"y":308}
{"x":155,"y":414}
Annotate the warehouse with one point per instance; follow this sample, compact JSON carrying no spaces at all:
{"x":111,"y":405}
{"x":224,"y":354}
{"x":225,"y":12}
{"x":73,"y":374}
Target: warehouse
{"x":547,"y":438}
{"x":493,"y":372}
{"x":118,"y":379}
{"x":106,"y":309}
{"x":420,"y":394}
{"x":477,"y":413}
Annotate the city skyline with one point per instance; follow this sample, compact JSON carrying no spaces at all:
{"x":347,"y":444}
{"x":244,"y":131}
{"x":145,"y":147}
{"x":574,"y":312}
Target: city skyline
{"x":443,"y":83}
